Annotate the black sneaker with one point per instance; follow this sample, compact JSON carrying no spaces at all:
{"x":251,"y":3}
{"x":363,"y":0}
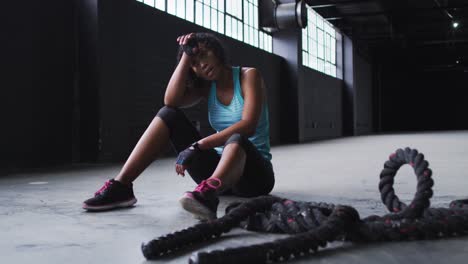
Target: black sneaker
{"x":203,"y":201}
{"x":113,"y":194}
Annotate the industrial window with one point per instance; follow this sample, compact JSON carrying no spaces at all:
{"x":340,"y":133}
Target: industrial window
{"x":319,"y":41}
{"x":237,"y":19}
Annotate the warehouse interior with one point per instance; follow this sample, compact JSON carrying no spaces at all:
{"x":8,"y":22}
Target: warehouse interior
{"x":348,"y":82}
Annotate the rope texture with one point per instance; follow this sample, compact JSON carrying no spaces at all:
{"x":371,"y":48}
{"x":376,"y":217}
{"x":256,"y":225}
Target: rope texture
{"x":313,"y":225}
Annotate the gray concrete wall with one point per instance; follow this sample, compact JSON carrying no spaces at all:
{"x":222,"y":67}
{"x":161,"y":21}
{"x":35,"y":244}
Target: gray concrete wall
{"x":348,"y":86}
{"x":363,"y":95}
{"x":37,"y":82}
{"x":357,"y":91}
{"x":320,"y":104}
{"x":86,"y":98}
{"x":313,"y":99}
{"x":286,"y":43}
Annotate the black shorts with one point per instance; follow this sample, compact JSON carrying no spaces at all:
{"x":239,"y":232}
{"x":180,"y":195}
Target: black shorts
{"x":258,"y":176}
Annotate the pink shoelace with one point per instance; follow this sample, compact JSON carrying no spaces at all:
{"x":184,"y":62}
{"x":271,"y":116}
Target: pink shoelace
{"x":104,"y":187}
{"x":205,"y":185}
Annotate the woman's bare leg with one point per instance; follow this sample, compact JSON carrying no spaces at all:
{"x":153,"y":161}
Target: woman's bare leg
{"x":231,"y":166}
{"x":150,"y":145}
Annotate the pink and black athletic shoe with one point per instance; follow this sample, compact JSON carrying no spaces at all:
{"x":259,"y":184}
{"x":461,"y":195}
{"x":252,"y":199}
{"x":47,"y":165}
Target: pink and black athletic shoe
{"x":203,"y":201}
{"x":113,"y":194}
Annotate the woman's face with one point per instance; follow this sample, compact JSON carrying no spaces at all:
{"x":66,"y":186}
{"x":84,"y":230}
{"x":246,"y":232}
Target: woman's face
{"x":205,"y":64}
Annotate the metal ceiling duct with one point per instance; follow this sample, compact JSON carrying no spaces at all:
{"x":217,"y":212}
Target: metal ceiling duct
{"x":274,"y":15}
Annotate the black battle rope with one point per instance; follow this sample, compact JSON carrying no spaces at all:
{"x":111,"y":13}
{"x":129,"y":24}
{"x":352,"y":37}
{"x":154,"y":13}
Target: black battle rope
{"x":208,"y":230}
{"x":316,"y":224}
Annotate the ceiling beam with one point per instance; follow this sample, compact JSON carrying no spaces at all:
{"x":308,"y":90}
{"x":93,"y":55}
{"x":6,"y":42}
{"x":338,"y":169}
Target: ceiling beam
{"x":324,"y":3}
{"x":444,"y":41}
{"x":396,"y":11}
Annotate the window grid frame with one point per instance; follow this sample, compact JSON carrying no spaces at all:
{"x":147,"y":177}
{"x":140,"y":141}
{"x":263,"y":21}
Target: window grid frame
{"x":256,"y":35}
{"x":319,"y":32}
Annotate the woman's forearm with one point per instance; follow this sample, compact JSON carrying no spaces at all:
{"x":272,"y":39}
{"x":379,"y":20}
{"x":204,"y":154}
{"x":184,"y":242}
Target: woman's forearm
{"x":219,"y":139}
{"x":177,"y":84}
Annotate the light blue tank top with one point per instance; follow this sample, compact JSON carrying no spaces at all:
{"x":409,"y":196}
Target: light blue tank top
{"x":222,"y":116}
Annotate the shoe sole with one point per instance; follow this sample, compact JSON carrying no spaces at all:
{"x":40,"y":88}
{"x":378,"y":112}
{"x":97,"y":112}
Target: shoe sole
{"x":199,"y":211}
{"x":123,"y":204}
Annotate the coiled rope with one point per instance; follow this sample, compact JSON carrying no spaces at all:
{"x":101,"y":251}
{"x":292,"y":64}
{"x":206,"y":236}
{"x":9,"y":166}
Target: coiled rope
{"x":316,"y":224}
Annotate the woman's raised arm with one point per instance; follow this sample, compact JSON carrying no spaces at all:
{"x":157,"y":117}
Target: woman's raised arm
{"x":177,"y":87}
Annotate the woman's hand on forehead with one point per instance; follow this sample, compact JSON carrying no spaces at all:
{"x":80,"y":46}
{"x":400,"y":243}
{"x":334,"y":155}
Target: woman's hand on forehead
{"x":189,"y":48}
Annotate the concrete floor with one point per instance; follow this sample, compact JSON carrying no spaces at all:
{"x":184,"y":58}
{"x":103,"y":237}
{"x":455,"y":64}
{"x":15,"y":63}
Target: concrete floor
{"x":41,"y":220}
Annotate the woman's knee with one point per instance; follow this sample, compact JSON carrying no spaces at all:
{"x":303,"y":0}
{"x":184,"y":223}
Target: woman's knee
{"x":238,"y":139}
{"x":170,"y":115}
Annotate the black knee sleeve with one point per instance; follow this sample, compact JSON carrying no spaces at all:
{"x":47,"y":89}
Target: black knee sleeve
{"x":169,"y":115}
